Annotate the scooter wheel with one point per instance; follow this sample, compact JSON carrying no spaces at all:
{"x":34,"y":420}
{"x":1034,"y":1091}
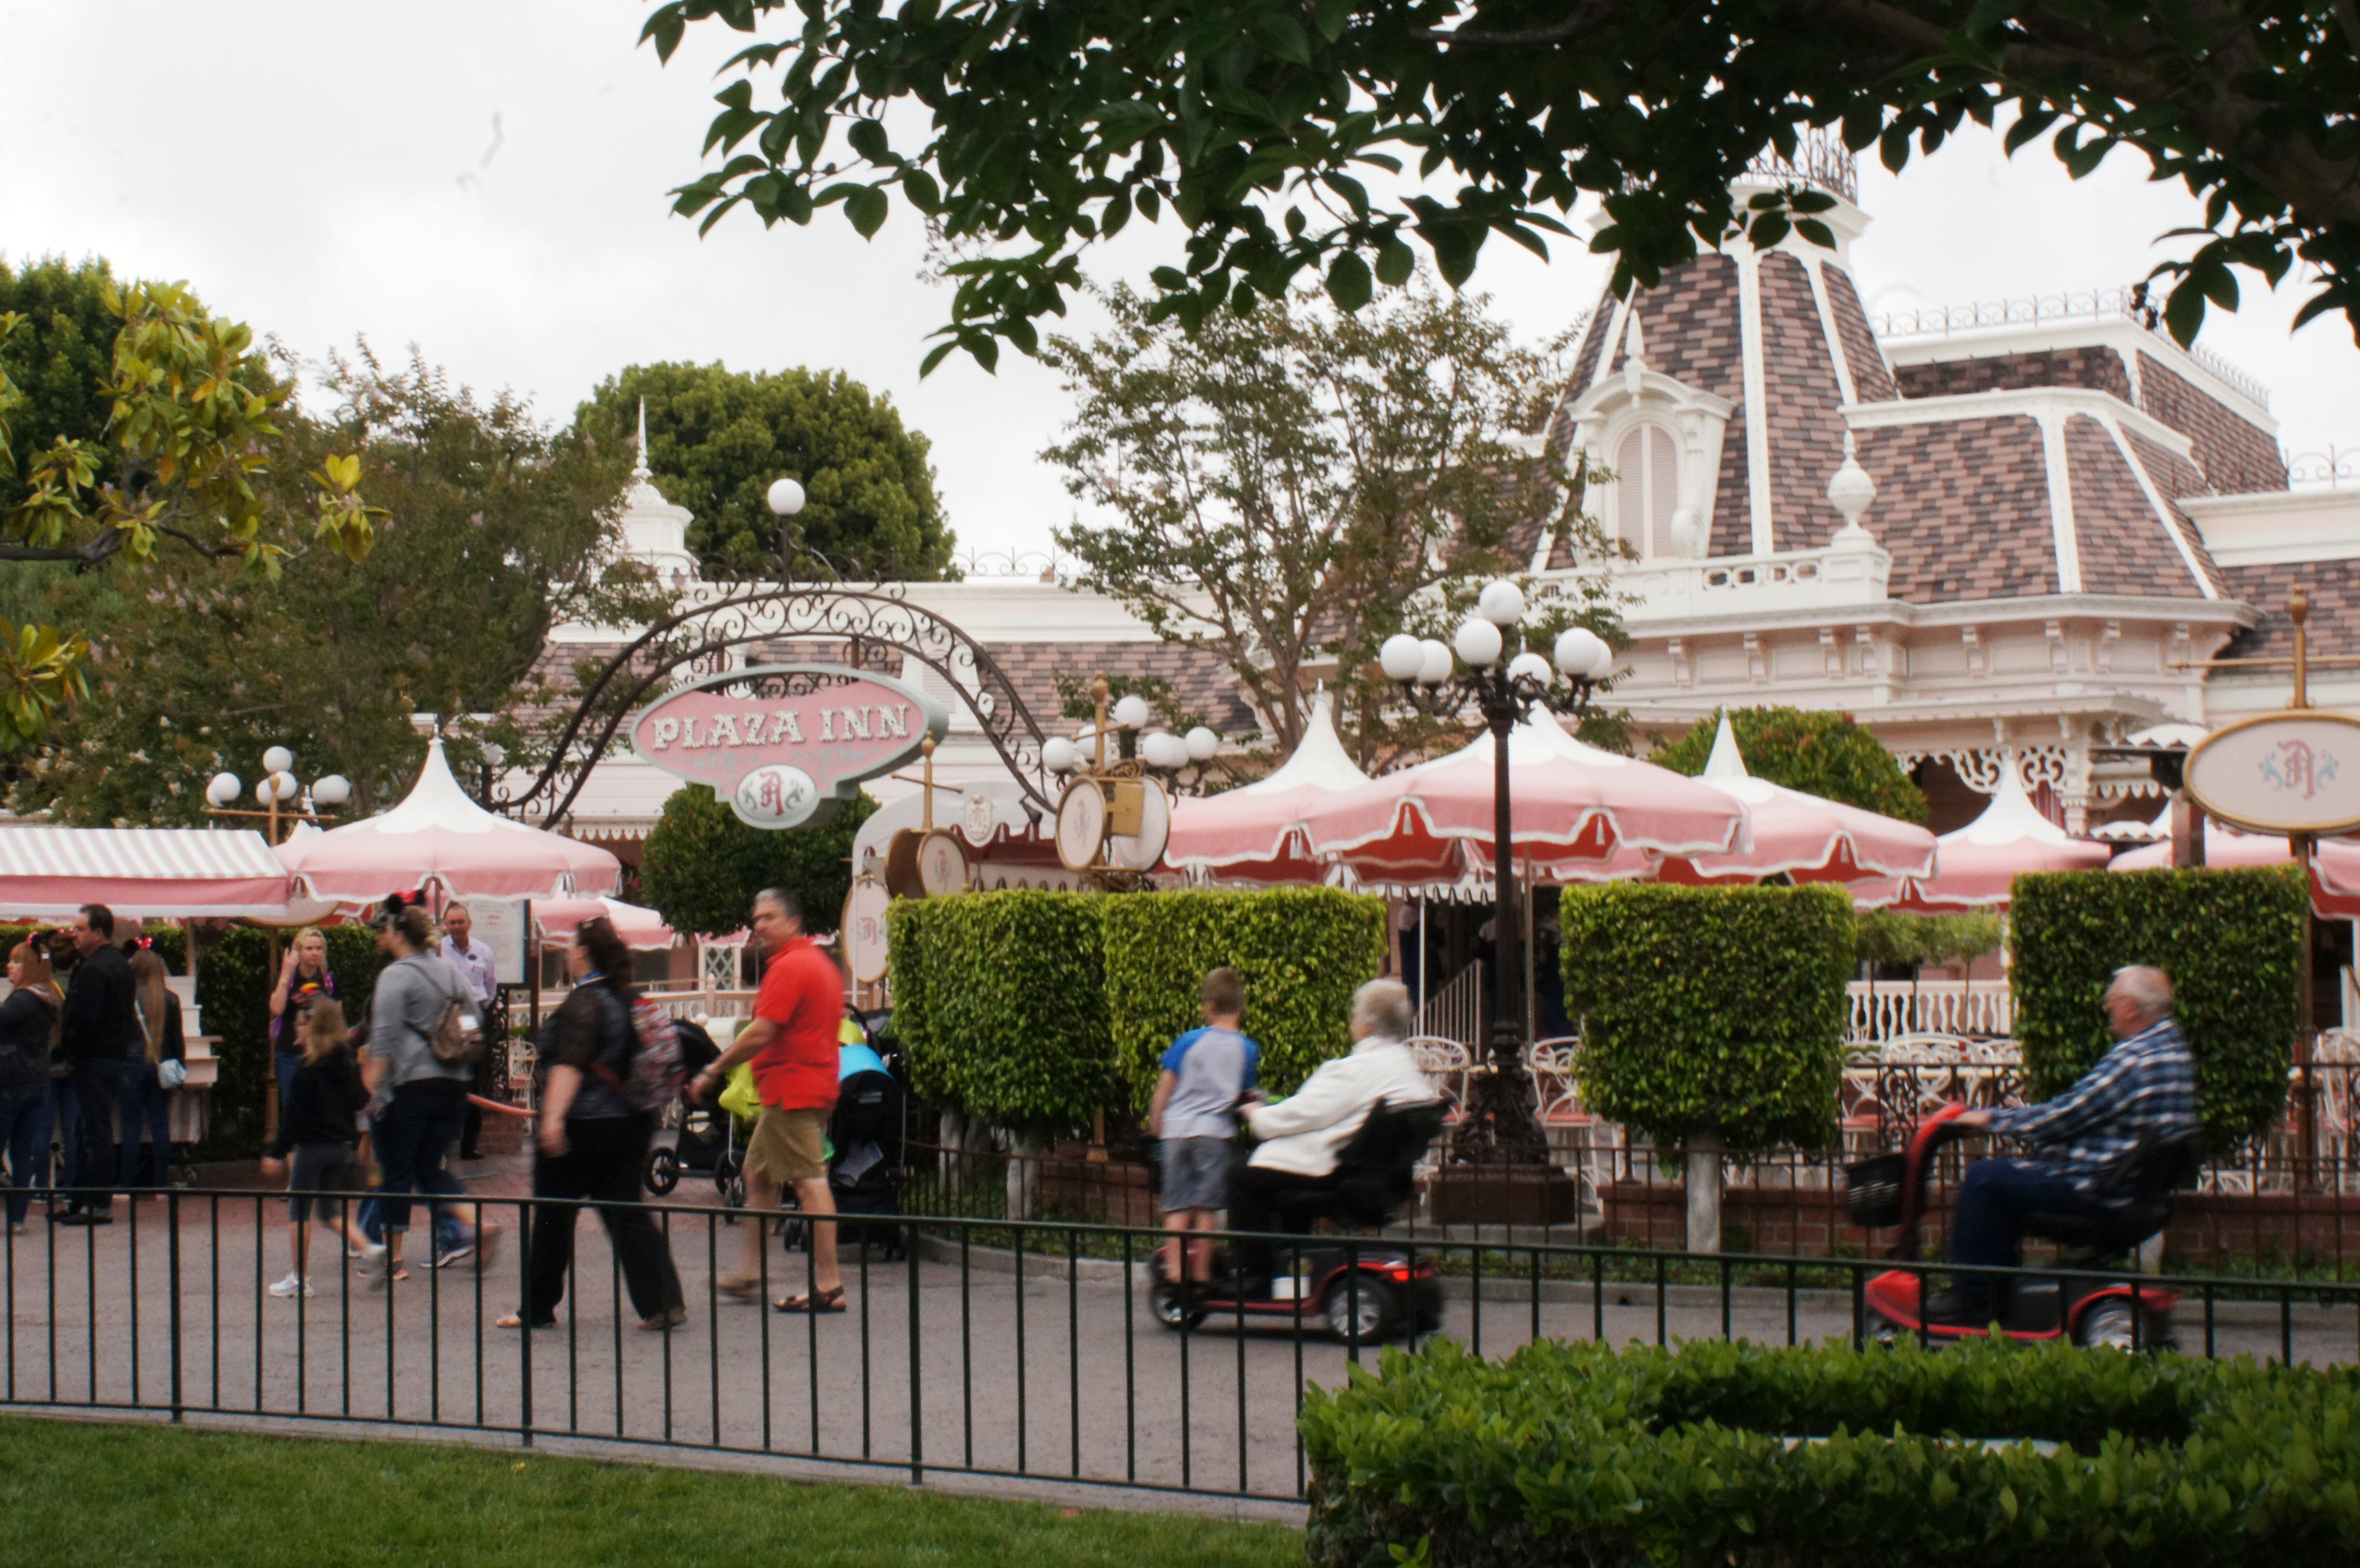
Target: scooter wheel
{"x":1360,"y":1305}
{"x":1165,"y":1305}
{"x":2108,"y":1324}
{"x":1881,"y":1329}
{"x":662,"y":1171}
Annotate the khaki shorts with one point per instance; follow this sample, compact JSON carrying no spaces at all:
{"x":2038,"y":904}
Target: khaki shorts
{"x":789,"y":1146}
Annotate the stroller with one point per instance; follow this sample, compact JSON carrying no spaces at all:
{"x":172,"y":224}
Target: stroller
{"x":704,"y":1139}
{"x":864,"y":1166}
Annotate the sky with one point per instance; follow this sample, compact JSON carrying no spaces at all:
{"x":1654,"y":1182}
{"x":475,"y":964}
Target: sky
{"x":488,"y":180}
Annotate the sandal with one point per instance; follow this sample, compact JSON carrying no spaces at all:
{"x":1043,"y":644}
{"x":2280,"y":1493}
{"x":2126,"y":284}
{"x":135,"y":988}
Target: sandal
{"x":671,"y":1318}
{"x":827,"y":1301}
{"x":743,"y":1290}
{"x":510,"y":1320}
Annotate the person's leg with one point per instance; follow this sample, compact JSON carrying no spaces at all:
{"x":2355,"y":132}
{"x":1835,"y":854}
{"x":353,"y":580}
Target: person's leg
{"x":283,"y":1064}
{"x":1250,"y":1190}
{"x":22,"y":1126}
{"x":65,"y":1123}
{"x":815,"y":1199}
{"x":763,"y":1200}
{"x":159,"y":1130}
{"x":1176,"y":1223}
{"x":96,"y":1087}
{"x":1200,"y":1253}
{"x":400,"y":1133}
{"x":560,"y":1180}
{"x":1987,"y":1227}
{"x":615,"y":1151}
{"x":445,"y":1115}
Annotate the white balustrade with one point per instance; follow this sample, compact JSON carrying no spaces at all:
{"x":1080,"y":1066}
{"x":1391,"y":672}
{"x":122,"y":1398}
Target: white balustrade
{"x":1886,"y":1009}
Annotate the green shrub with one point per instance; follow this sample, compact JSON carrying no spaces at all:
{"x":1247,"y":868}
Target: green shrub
{"x":1710,"y":1008}
{"x":1581,"y":1454}
{"x":1814,"y":750}
{"x":2232,"y":943}
{"x":1302,"y":951}
{"x":1003,"y":1005}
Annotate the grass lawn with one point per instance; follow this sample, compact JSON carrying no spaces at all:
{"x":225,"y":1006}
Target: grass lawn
{"x":72,"y":1494}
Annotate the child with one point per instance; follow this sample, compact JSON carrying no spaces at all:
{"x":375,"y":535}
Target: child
{"x":319,"y":1124}
{"x":1206,"y":1075}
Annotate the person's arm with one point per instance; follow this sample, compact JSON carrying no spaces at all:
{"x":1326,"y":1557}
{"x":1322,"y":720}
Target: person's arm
{"x":564,"y":1083}
{"x":1326,"y":1097}
{"x":1164,"y":1084}
{"x":286,"y":982}
{"x":758,"y":1033}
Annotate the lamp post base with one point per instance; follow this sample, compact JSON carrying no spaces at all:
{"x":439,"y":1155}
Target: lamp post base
{"x":1497,"y":1169}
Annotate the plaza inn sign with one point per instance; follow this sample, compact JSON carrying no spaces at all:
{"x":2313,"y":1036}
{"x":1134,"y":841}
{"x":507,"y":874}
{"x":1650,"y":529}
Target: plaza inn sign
{"x":784,"y":743}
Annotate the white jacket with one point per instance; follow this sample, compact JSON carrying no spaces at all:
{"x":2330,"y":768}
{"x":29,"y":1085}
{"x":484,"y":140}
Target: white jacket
{"x":1305,"y":1132}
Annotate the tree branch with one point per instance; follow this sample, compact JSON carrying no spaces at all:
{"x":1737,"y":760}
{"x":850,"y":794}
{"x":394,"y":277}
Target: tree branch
{"x":97,"y":550}
{"x":1584,"y":18}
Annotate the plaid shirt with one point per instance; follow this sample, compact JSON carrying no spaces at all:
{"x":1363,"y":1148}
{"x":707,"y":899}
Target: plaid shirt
{"x":2142,"y":1091}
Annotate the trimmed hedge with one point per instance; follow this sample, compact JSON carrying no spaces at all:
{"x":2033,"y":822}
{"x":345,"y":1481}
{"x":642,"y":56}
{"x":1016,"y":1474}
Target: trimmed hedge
{"x":1580,"y":1454}
{"x":1000,"y":1000}
{"x":171,"y":941}
{"x":233,"y":985}
{"x":2232,"y":943}
{"x":1301,"y":950}
{"x":1710,"y":1006}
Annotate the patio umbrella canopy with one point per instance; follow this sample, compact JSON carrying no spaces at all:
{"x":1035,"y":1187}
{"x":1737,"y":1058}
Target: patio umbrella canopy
{"x":642,"y":930}
{"x":1574,"y":806}
{"x":1800,"y":835}
{"x":1254,"y":833}
{"x":2335,"y":880}
{"x":438,"y":835}
{"x":2222,"y":847}
{"x":141,"y":873}
{"x":1978,"y":864}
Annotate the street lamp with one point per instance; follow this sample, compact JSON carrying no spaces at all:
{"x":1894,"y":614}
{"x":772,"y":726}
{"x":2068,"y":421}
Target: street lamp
{"x":280,"y":793}
{"x":786,"y":499}
{"x":1501,"y":1121}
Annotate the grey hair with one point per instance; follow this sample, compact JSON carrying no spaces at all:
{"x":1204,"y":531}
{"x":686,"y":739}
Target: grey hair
{"x":1384,"y":1007}
{"x":2148,"y":987}
{"x":789,"y":905}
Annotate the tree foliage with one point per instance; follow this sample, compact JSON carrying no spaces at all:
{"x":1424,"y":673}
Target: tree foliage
{"x":1819,"y":752}
{"x":1290,"y":488}
{"x":195,"y":454}
{"x":717,"y":438}
{"x":58,"y":359}
{"x":702,"y":865}
{"x":1027,"y":134}
{"x":494,"y":531}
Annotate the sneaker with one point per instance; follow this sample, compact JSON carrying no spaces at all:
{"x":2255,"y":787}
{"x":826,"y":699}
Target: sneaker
{"x":291,"y":1286}
{"x":458,"y":1254}
{"x":372,"y":1268}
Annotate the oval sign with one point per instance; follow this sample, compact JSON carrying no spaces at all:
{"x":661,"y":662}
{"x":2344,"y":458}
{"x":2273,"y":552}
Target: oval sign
{"x":2294,"y":772}
{"x":864,"y":929}
{"x":753,"y":735}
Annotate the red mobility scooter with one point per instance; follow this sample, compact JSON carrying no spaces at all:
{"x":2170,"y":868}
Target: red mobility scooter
{"x":2094,"y":1298}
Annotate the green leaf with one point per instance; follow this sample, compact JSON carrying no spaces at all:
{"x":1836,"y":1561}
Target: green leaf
{"x":867,"y":207}
{"x":1333,"y":16}
{"x":1395,"y":262}
{"x":1347,"y":281}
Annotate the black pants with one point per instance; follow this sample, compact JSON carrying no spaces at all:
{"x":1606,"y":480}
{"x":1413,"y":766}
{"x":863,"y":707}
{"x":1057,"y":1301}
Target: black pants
{"x":601,"y":1164}
{"x":104,"y":1084}
{"x":1255,"y":1191}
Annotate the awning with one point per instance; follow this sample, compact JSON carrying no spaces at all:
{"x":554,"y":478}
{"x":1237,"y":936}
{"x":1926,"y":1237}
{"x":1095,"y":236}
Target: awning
{"x":49,"y":873}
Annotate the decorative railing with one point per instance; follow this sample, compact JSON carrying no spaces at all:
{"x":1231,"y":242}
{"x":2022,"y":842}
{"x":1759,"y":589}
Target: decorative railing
{"x":2135,"y":302}
{"x":2326,"y":470}
{"x":1723,"y":585}
{"x":1029,"y":565}
{"x":1820,"y":159}
{"x":1456,"y":1011}
{"x":1888,"y":1009}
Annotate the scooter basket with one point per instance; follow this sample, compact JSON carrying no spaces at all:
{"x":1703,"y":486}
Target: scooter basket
{"x":1872,"y":1191}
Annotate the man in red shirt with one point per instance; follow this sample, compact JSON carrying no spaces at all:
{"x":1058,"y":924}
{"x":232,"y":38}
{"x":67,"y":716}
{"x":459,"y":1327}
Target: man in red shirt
{"x":793,"y":1042}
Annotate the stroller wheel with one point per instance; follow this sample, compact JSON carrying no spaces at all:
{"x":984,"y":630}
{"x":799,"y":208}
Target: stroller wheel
{"x":662,"y":1171}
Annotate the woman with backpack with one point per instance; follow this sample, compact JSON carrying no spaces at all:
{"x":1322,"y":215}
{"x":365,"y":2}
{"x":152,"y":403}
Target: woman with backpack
{"x":424,"y":1029}
{"x":592,"y":1140}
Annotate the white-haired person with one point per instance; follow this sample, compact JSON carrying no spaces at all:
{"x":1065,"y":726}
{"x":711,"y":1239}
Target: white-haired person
{"x":2141,"y":1092}
{"x":1303,"y":1134}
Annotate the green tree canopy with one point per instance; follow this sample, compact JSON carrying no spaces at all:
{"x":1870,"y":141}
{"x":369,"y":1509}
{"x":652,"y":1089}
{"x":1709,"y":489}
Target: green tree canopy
{"x":59,"y":359}
{"x":717,"y":438}
{"x":495,"y":530}
{"x":703,"y":866}
{"x":1026,"y":133}
{"x":1290,"y":488}
{"x":1818,"y":752}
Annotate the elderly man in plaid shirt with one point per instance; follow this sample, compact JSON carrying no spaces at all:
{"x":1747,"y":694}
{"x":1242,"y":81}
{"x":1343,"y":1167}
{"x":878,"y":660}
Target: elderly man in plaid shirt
{"x":2141,"y":1092}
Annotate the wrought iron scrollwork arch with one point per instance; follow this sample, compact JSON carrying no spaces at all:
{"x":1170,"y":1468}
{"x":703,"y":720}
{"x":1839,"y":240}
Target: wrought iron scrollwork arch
{"x":877,"y":623}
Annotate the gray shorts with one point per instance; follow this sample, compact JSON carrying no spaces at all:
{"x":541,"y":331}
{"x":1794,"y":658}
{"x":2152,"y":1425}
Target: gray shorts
{"x":1195,"y":1173}
{"x":318,"y":1167}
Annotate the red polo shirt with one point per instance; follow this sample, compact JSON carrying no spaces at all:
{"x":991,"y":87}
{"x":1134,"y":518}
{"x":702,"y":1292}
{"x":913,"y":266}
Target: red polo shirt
{"x":803,"y":994}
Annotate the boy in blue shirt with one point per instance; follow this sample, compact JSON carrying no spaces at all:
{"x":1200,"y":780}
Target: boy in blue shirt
{"x":1207,"y":1074}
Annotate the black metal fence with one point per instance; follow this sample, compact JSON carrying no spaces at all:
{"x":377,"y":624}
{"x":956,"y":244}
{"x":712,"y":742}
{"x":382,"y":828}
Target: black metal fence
{"x":1033,"y":1349}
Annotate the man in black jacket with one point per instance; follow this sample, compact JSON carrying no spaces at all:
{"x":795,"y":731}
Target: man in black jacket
{"x":98,"y":1032}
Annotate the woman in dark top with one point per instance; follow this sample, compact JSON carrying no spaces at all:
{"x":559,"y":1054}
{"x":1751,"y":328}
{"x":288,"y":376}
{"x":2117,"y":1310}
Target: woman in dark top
{"x":150,"y":1110}
{"x":29,"y":1027}
{"x":590,"y":1143}
{"x":303,"y":980}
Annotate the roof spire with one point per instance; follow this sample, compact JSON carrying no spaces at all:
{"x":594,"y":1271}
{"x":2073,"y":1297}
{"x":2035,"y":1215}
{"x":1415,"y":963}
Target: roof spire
{"x":639,"y":470}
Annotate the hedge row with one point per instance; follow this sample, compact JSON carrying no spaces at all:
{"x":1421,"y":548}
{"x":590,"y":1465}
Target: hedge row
{"x":170,"y":942}
{"x":2232,"y":943}
{"x":1038,"y":1008}
{"x":1580,"y":1454}
{"x":1721,"y":1007}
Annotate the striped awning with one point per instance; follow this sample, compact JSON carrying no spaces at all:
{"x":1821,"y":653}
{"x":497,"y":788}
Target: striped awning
{"x":49,"y":873}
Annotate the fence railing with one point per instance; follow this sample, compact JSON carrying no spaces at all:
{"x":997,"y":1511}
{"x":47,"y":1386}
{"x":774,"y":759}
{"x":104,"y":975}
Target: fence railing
{"x":1034,"y":1350}
{"x":1882,"y":1009}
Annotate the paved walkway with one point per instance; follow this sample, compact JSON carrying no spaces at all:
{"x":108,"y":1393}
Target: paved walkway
{"x":1048,"y":1375}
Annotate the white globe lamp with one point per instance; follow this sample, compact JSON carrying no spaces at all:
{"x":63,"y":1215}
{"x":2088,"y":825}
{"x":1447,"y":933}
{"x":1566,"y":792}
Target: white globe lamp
{"x":786,"y":497}
{"x":1130,"y":713}
{"x":223,"y":788}
{"x":1531,"y":667}
{"x":1400,"y":656}
{"x":1162,"y":748}
{"x":1202,"y":743}
{"x":333,"y":791}
{"x":1057,"y":754}
{"x":1578,"y":650}
{"x":1478,"y":643}
{"x":1436,"y":667}
{"x":278,"y":759}
{"x":1502,"y":603}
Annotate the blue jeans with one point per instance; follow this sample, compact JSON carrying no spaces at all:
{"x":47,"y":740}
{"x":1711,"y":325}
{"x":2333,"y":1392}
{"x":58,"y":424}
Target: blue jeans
{"x":412,"y":1139}
{"x":147,"y":1110}
{"x":104,"y":1084}
{"x":1988,"y":1230}
{"x":283,"y":1064}
{"x":449,"y":1230}
{"x":25,"y":1136}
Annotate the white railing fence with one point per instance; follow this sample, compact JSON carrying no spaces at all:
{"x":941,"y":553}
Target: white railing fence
{"x":1886,"y":1009}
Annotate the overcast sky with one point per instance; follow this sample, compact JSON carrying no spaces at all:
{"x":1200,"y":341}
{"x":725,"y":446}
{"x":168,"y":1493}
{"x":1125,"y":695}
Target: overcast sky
{"x":488,"y":179}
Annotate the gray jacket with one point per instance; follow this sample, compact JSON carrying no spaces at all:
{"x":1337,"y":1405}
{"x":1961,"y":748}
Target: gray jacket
{"x":411,"y":993}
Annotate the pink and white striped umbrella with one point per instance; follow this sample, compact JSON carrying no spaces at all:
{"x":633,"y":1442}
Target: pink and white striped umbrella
{"x":2224,"y":847}
{"x":1255,"y":833}
{"x":2335,"y":880}
{"x":1979,"y":864}
{"x":1800,"y":835}
{"x":1574,"y":807}
{"x":642,"y":928}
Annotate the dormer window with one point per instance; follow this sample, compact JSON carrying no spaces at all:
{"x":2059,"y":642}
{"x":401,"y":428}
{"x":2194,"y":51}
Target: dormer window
{"x":1646,"y":489}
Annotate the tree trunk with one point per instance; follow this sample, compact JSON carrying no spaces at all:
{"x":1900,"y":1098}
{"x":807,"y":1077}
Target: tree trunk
{"x":1023,"y":1175}
{"x":952,"y":1165}
{"x":1704,"y":1189}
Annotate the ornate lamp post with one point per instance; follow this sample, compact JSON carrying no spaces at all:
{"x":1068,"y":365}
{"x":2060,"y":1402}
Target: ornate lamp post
{"x":1501,"y":1125}
{"x":278,"y":794}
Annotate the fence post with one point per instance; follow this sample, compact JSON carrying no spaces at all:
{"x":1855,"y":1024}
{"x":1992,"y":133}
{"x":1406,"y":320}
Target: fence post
{"x":172,"y":1273}
{"x":524,"y":1333}
{"x":917,"y":1402}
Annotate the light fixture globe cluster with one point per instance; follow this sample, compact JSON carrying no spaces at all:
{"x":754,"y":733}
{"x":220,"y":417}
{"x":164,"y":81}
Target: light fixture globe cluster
{"x":279,"y":786}
{"x":1581,"y":655}
{"x":1160,"y":749}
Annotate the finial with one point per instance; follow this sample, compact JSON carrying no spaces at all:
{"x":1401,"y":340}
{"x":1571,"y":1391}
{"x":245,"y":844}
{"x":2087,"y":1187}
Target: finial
{"x":639,"y":469}
{"x":1852,"y":490}
{"x":1634,"y":357}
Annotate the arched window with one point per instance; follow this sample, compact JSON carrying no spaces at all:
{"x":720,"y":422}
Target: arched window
{"x":1647,"y":488}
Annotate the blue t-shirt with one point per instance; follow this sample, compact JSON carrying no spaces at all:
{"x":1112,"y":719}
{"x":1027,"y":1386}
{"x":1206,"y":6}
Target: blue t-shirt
{"x":1212,"y":1067}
